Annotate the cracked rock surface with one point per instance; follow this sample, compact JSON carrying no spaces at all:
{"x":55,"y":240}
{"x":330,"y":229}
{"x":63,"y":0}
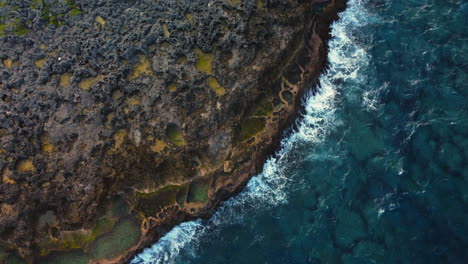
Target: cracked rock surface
{"x":123,"y":118}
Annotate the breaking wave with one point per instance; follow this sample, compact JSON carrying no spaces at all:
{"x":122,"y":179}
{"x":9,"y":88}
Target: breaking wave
{"x":271,"y":187}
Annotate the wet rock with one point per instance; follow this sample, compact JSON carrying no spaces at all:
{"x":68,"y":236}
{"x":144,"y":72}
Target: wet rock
{"x":108,"y":100}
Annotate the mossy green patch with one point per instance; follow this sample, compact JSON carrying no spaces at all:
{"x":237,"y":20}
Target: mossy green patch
{"x":190,"y":19}
{"x":8,"y":63}
{"x":204,"y":61}
{"x":181,"y":60}
{"x":159,"y":146}
{"x":100,"y":21}
{"x":166,"y":31}
{"x":150,"y":203}
{"x":142,"y":68}
{"x":182,"y":194}
{"x":70,"y":3}
{"x":68,"y":240}
{"x":12,"y":24}
{"x":77,"y":239}
{"x":215,"y":86}
{"x":87,"y":83}
{"x":2,"y":30}
{"x":265,"y":110}
{"x":172,"y":87}
{"x":233,"y":2}
{"x":133,"y":100}
{"x":251,"y":127}
{"x":124,"y":235}
{"x":74,"y":240}
{"x":66,"y":258}
{"x":175,"y":136}
{"x":75,"y":12}
{"x":25,"y":166}
{"x":103,"y":225}
{"x":119,"y":138}
{"x":65,"y":79}
{"x":198,"y":191}
{"x":50,"y":17}
{"x":20,"y":29}
{"x":259,"y":4}
{"x":40,"y":63}
{"x":119,"y":208}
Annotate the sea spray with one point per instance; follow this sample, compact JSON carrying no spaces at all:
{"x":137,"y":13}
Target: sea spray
{"x":271,"y":187}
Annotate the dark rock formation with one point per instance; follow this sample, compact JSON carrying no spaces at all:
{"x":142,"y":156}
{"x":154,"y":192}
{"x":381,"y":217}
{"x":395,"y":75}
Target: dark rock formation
{"x":123,"y":118}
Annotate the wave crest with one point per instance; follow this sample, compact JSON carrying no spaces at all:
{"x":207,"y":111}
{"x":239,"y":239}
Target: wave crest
{"x":271,"y":187}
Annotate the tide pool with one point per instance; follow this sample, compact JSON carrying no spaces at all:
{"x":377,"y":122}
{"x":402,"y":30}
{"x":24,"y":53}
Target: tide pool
{"x":377,"y":170}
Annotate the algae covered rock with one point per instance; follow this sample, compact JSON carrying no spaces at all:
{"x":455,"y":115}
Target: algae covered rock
{"x":123,"y":118}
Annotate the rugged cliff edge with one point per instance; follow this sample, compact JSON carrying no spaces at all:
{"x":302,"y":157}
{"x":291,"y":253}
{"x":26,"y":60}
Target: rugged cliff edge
{"x":120,"y":119}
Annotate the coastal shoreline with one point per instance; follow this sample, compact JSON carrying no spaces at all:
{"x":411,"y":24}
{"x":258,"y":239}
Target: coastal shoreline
{"x":317,"y":35}
{"x":110,"y":132}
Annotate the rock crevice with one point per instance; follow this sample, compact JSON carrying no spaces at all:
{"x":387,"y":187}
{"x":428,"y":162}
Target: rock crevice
{"x":124,"y":118}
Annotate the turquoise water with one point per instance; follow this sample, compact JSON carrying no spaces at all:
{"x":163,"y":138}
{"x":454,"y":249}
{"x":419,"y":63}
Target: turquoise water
{"x":377,"y":170}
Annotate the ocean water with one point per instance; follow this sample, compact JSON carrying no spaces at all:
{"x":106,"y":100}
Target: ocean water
{"x":377,"y":170}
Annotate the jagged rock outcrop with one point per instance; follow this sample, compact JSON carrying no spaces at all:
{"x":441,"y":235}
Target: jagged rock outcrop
{"x":123,"y":118}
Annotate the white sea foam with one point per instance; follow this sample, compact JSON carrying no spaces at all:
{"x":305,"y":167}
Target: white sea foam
{"x":168,"y":247}
{"x":270,"y":188}
{"x":371,"y":98}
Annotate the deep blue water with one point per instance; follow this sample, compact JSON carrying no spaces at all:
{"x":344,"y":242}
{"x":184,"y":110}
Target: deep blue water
{"x":377,"y":171}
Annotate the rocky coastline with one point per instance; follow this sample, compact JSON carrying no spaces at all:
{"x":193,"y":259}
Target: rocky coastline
{"x":123,"y":119}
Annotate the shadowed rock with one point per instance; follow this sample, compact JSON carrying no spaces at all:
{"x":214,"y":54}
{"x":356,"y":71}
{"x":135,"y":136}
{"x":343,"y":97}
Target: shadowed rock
{"x":123,"y":114}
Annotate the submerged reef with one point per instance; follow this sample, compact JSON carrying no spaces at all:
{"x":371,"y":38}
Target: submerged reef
{"x":120,"y":119}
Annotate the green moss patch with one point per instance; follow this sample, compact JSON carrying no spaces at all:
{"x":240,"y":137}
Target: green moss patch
{"x":75,"y":12}
{"x":190,"y":19}
{"x":181,"y":60}
{"x":265,"y":110}
{"x":198,"y":191}
{"x":175,"y":136}
{"x":78,"y":239}
{"x":20,"y":29}
{"x":13,"y":26}
{"x":12,"y":10}
{"x":66,"y":258}
{"x":251,"y":127}
{"x":181,"y":196}
{"x":69,"y":240}
{"x":215,"y":86}
{"x":260,"y":4}
{"x":204,"y":61}
{"x":87,"y":83}
{"x":119,"y":208}
{"x":109,"y":237}
{"x":125,"y":234}
{"x":166,"y":31}
{"x":150,"y":203}
{"x":142,"y":68}
{"x":103,"y":225}
{"x":74,"y":240}
{"x":233,"y":2}
{"x":2,"y":30}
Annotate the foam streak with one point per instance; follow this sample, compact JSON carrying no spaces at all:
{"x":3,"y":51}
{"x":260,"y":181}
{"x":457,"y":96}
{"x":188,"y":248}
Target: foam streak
{"x":270,"y":188}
